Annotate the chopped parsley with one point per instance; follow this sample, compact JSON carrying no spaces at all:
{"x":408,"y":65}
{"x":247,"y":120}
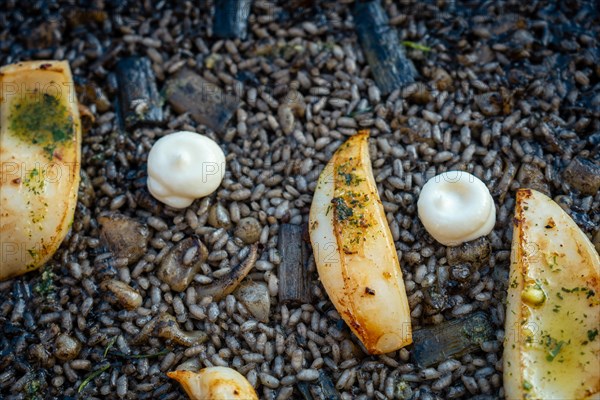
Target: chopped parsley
{"x":553,"y":347}
{"x":343,"y":211}
{"x":350,"y":178}
{"x":35,"y":181}
{"x":552,"y":261}
{"x":588,"y":292}
{"x":42,"y":119}
{"x":45,"y":286}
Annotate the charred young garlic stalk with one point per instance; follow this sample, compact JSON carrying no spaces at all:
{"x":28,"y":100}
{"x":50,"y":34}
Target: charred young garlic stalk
{"x":214,"y":383}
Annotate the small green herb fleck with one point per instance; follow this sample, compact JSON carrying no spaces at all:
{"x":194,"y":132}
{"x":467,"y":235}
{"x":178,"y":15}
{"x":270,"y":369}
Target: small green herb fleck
{"x":46,"y":284}
{"x":592,"y":335}
{"x":416,"y":46}
{"x":552,"y":261}
{"x":529,"y":339}
{"x":527,"y":385}
{"x":93,"y":376}
{"x":554,"y":350}
{"x":33,"y":388}
{"x":35,"y":181}
{"x":109,"y":345}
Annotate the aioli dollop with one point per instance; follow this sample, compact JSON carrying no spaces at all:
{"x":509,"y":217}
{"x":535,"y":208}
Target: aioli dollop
{"x":456,"y":207}
{"x":184,"y":166}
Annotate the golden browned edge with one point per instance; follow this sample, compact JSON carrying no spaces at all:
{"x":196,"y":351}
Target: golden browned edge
{"x":180,"y":374}
{"x":44,"y":65}
{"x":519,"y":233}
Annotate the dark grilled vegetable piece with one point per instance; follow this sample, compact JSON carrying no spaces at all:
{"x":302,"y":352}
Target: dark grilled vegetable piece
{"x":221,"y":287}
{"x":207,"y":103}
{"x":451,"y":339}
{"x":390,"y":67}
{"x":89,"y":93}
{"x":124,"y":236}
{"x":583,"y":174}
{"x":231,"y":18}
{"x":139,"y":99}
{"x":79,"y":16}
{"x":178,"y":268}
{"x":323,"y":388}
{"x":293,"y":273}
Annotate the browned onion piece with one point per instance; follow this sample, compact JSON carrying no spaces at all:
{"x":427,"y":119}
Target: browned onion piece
{"x":227,"y":284}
